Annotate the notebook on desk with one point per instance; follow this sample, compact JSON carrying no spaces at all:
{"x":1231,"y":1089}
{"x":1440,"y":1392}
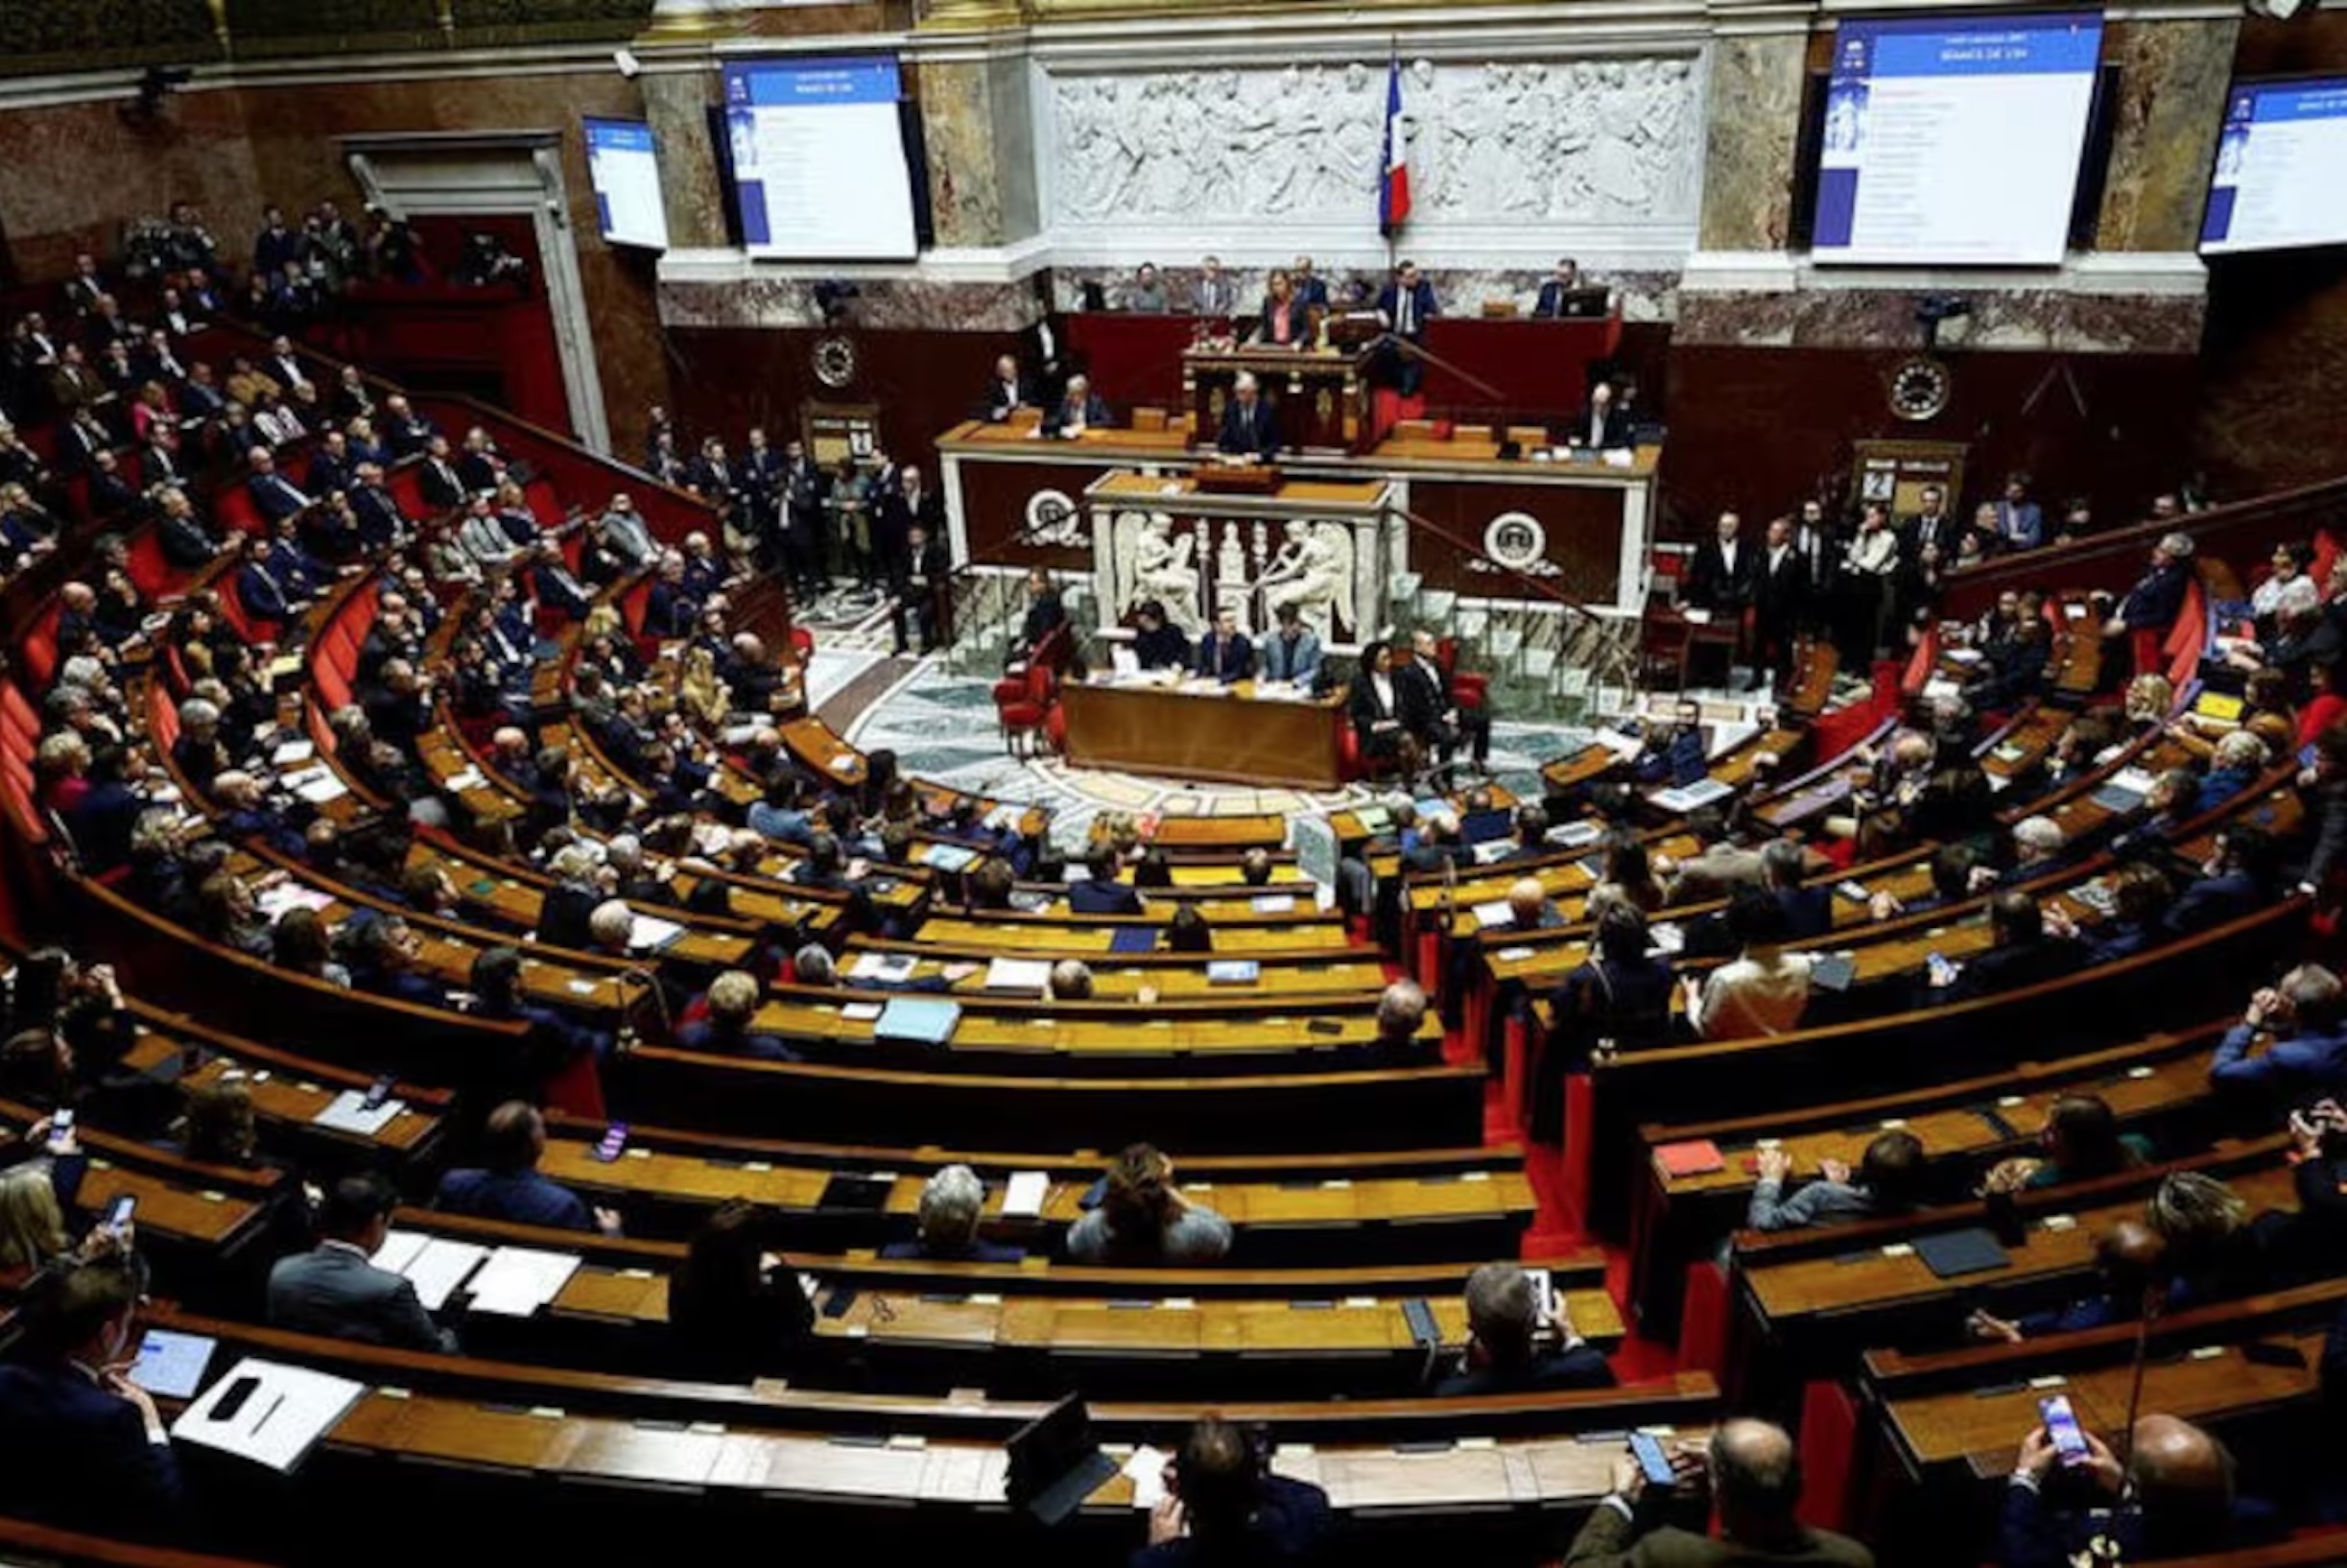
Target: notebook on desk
{"x":1055,"y":1463}
{"x":1133,"y":939}
{"x":1961,"y":1252}
{"x":917,"y":1020}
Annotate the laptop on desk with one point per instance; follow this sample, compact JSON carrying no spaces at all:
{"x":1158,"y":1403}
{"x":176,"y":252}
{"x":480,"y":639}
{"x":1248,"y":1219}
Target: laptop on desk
{"x":1055,"y":1463}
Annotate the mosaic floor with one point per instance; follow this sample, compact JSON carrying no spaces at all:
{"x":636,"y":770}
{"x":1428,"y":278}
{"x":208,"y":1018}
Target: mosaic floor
{"x":943,"y":728}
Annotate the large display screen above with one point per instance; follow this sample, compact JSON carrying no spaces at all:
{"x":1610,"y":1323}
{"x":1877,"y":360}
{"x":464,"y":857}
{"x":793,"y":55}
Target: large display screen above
{"x":818,"y":158}
{"x":2280,"y":168}
{"x":1955,"y":140}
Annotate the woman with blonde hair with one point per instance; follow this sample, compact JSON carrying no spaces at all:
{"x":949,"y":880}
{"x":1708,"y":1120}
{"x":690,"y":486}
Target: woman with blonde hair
{"x":704,"y":699}
{"x":2150,"y":699}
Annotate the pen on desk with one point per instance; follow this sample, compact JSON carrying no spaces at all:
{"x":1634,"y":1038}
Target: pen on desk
{"x":267,"y":1413}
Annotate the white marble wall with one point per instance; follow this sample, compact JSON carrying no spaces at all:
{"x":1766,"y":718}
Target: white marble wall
{"x":1515,"y":158}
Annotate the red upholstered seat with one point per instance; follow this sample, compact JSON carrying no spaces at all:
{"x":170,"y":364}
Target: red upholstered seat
{"x":1023,"y":702}
{"x":802,"y":642}
{"x":149,"y":572}
{"x":40,"y":648}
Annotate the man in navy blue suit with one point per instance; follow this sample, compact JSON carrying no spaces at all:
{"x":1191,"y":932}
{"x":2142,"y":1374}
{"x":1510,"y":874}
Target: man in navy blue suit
{"x":1406,"y":305}
{"x":1558,"y":290}
{"x":273,"y":493}
{"x":510,"y":1186}
{"x":1250,"y":426}
{"x":1100,"y":892}
{"x":1224,"y":654}
{"x":87,"y":1448}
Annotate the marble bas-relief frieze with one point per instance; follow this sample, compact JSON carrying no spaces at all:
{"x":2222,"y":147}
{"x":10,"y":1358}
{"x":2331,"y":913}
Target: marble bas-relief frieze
{"x":1601,"y":143}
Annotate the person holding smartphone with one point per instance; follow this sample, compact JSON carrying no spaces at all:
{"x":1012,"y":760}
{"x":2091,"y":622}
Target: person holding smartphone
{"x":87,"y":1447}
{"x":1516,"y":1342}
{"x":1752,"y":1470}
{"x":2174,"y":1498}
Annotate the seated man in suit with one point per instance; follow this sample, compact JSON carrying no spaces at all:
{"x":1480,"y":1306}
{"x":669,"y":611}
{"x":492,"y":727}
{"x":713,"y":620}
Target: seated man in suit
{"x":1507,"y":1327}
{"x":1099,"y":892}
{"x":2025,"y":953}
{"x":2298,"y":1026}
{"x":1250,"y":424}
{"x":1080,"y":410}
{"x":2174,"y":1497}
{"x":1557,"y":291}
{"x":87,"y":1449}
{"x":1292,"y":652}
{"x":1754,"y":1473}
{"x":510,"y":1187}
{"x":333,"y":1289}
{"x":950,"y":1205}
{"x":1007,"y":390}
{"x":273,"y":495}
{"x":1224,"y":654}
{"x":1601,"y":425}
{"x":1222,"y":1505}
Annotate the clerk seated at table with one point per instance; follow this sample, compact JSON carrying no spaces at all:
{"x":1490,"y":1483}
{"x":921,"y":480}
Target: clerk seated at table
{"x":1007,"y":390}
{"x":1082,"y":409}
{"x":1250,"y":424}
{"x":1513,"y":1348}
{"x":1556,"y":292}
{"x":1158,"y":644}
{"x":1600,"y":426}
{"x":1291,"y":654}
{"x":949,"y":1205}
{"x":1224,"y":654}
{"x":1286,"y":320}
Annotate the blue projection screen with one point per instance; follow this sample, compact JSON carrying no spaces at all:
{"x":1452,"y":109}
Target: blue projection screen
{"x":1954,"y":141}
{"x":818,"y":158}
{"x":625,"y":170}
{"x":2280,"y":168}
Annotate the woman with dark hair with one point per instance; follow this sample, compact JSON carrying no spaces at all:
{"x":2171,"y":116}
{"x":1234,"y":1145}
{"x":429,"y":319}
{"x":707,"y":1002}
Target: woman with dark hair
{"x":1188,"y":932}
{"x":1628,"y":868}
{"x":1375,"y":708}
{"x":1154,"y":870}
{"x":2081,"y":1140}
{"x":732,"y":1315}
{"x":1618,"y":999}
{"x":1763,"y":992}
{"x":1144,"y":1218}
{"x":299,"y":943}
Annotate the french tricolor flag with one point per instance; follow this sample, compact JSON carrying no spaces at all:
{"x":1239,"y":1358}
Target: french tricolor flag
{"x":1394,"y":189}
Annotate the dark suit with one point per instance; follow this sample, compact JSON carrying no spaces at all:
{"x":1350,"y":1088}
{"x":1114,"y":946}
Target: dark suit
{"x":1586,"y":430}
{"x":335,"y":1292}
{"x":1714,"y":584}
{"x":1096,"y":897}
{"x":1226,"y":661}
{"x":1092,"y":414}
{"x":1424,"y":696}
{"x":274,"y":495}
{"x":439,"y":485}
{"x":79,"y":1456}
{"x":1779,"y":587}
{"x":1249,"y":432}
{"x":522,"y":1197}
{"x":1003,"y":397}
{"x":1580,"y":1367}
{"x":919,"y":585}
{"x":1403,"y":369}
{"x":1608,"y":1540}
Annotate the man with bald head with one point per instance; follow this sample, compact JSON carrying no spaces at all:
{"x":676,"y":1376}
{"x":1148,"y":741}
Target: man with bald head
{"x":1755,"y":1476}
{"x":2130,"y":1260}
{"x":2174,"y":1497}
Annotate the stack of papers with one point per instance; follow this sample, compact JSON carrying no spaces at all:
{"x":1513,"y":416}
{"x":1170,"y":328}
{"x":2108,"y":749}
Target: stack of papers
{"x":649,"y":930}
{"x":1272,"y":903}
{"x":1701,"y":792}
{"x":1030,"y":976}
{"x":434,"y":1265}
{"x":1494,"y":914}
{"x":1573,"y":835}
{"x":267,"y":1412}
{"x":1003,"y":817}
{"x":949,"y":857}
{"x":288,"y":895}
{"x":1023,"y":1199}
{"x":1625,"y":746}
{"x":347,"y":1112}
{"x":892,"y":967}
{"x":518,"y":1280}
{"x":292,"y":753}
{"x":1233,"y":972}
{"x":918,"y":1021}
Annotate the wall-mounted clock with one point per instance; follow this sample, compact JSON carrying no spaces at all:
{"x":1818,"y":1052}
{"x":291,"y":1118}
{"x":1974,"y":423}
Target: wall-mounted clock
{"x":835,"y":361}
{"x":1920,"y":388}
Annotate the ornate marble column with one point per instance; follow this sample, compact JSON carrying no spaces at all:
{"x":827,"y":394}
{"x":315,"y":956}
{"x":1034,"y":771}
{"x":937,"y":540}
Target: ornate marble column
{"x":1753,"y":116}
{"x":980,"y":147}
{"x":2172,"y":77}
{"x":675,"y":104}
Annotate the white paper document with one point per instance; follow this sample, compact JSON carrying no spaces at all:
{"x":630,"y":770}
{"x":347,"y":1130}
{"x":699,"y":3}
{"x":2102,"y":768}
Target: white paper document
{"x":651,"y":931}
{"x":1147,"y":1470}
{"x":434,"y":1265}
{"x":1023,"y":1199}
{"x":276,"y":1412}
{"x":518,"y":1280}
{"x":347,"y":1112}
{"x":882,"y":966}
{"x":1494,"y":914}
{"x":1031,"y":975}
